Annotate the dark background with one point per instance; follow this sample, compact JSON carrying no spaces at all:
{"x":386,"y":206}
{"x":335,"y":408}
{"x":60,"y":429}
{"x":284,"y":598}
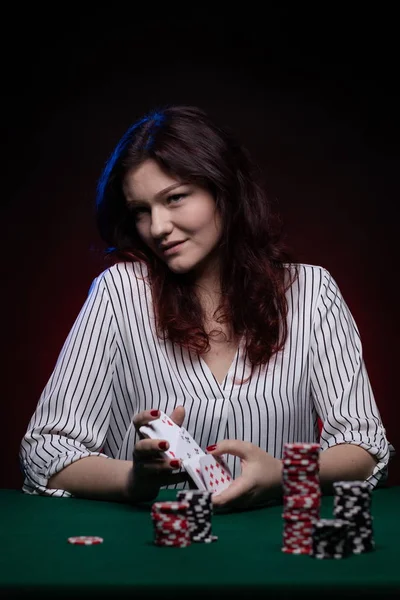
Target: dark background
{"x":312,"y":93}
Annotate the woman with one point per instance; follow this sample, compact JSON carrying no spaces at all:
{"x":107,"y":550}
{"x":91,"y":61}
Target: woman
{"x":202,"y":316}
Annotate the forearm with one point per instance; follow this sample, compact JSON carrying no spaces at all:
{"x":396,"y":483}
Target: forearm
{"x":97,"y":478}
{"x":344,"y":462}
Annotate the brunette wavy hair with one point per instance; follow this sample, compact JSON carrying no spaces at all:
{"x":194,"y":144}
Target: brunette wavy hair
{"x":255,"y":267}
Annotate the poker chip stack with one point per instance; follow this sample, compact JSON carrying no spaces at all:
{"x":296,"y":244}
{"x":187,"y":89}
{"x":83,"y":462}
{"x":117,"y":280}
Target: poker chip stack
{"x":301,"y":496}
{"x":330,"y":539}
{"x":352,"y":503}
{"x":199,"y":514}
{"x":171,"y":525}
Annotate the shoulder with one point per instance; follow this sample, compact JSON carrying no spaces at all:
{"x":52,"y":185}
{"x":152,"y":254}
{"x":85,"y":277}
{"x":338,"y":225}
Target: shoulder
{"x":121,"y":276}
{"x":311,"y":285}
{"x":306,"y":275}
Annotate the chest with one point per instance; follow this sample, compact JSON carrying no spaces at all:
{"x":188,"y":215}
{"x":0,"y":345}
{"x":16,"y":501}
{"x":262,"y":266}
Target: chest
{"x":222,"y":352}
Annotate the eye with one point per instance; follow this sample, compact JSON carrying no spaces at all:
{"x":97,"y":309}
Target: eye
{"x":177,"y":197}
{"x":135,"y":213}
{"x":137,"y":210}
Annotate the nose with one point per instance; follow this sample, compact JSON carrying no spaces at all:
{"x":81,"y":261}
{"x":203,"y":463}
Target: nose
{"x":161,"y":225}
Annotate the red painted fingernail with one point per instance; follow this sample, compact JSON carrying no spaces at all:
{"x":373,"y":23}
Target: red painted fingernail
{"x":154,"y":413}
{"x":163,"y":445}
{"x":174,"y":464}
{"x":211,"y":448}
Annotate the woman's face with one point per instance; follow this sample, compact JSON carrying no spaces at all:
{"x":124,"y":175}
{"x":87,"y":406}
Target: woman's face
{"x":168,"y":210}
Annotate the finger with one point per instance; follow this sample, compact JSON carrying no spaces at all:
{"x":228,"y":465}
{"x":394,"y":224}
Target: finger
{"x":178,"y":415}
{"x":234,"y":447}
{"x":144,"y":417}
{"x":174,"y":478}
{"x":238,"y":488}
{"x":146,"y":486}
{"x":157,"y":467}
{"x":149,"y":448}
{"x":148,"y":453}
{"x":160,"y":472}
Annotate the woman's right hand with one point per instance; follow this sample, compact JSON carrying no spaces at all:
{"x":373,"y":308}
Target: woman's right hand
{"x":151,"y":468}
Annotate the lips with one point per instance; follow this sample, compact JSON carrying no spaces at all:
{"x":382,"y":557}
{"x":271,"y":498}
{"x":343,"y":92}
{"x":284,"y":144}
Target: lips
{"x":175,"y":249}
{"x":172,"y":245}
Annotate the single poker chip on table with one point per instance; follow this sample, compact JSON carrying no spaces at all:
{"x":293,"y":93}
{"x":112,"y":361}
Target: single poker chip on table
{"x":85,"y":540}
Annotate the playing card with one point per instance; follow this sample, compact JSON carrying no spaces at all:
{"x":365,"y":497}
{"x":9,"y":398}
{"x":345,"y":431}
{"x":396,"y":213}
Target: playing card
{"x":163,"y":428}
{"x":160,"y":428}
{"x":187,"y":447}
{"x":181,"y":443}
{"x":216,"y":473}
{"x":192,"y":467}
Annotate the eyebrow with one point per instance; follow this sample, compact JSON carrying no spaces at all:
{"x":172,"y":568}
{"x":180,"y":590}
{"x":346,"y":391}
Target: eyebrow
{"x":161,"y":193}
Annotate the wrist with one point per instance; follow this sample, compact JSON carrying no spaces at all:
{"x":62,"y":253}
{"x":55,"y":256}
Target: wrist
{"x":277,"y":481}
{"x":274,"y":485}
{"x":127,"y":488}
{"x":344,"y":461}
{"x":139,"y":489}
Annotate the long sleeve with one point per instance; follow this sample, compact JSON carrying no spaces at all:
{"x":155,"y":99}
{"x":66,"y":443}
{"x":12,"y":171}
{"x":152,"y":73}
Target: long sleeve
{"x":340,"y":385}
{"x":72,"y":416}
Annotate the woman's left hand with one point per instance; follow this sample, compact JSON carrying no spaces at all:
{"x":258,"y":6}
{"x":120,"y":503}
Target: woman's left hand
{"x":260,"y":480}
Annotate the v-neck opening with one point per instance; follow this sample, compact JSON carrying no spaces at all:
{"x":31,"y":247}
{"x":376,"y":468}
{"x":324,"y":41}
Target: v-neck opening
{"x":231,"y":366}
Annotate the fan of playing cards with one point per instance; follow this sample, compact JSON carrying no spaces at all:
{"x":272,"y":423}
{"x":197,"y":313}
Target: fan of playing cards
{"x":207,"y":472}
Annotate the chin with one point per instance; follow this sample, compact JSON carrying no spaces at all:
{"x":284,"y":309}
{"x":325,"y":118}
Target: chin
{"x":179,"y":269}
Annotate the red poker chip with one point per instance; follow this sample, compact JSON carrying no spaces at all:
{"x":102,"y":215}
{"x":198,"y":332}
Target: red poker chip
{"x":301,"y":487}
{"x":298,"y":525}
{"x":301,"y":469}
{"x":300,"y":462}
{"x":302,"y":501}
{"x":171,"y":544}
{"x":171,"y":541}
{"x":297,"y":536}
{"x":170,"y":507}
{"x":168,"y":518}
{"x":171,"y":522}
{"x":301,"y":447}
{"x":310,"y":515}
{"x":168,"y":528}
{"x":300,"y":480}
{"x":297,"y":543}
{"x":289,"y":550}
{"x":298,"y":475}
{"x":85,"y":540}
{"x":290,"y":517}
{"x":295,"y":522}
{"x":300,"y":456}
{"x":313,"y":454}
{"x":299,"y":491}
{"x":297,"y":540}
{"x":296,"y":532}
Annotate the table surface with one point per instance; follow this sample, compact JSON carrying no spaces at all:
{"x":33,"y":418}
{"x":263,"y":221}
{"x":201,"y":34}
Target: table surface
{"x":247,"y":558}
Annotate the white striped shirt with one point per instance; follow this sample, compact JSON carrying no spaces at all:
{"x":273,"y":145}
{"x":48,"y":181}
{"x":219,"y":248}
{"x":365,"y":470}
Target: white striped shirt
{"x":113,"y":365}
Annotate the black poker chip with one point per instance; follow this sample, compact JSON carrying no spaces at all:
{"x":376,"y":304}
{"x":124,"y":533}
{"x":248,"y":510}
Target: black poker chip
{"x":199,"y":514}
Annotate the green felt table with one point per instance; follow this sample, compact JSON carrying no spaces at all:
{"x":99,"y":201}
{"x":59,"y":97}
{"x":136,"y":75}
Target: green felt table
{"x":36,"y":560}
